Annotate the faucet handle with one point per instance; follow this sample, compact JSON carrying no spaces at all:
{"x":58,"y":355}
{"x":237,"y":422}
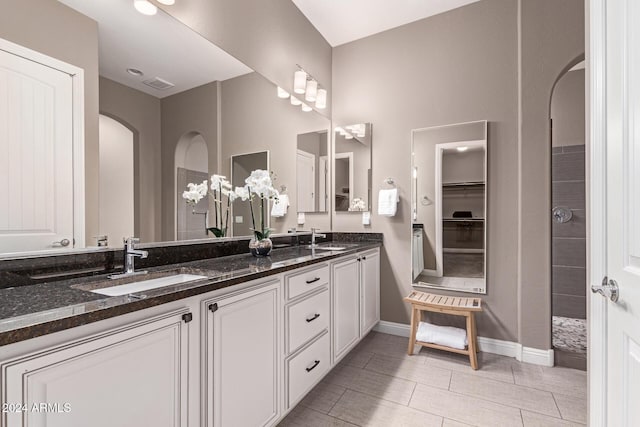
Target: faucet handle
{"x":130,"y":240}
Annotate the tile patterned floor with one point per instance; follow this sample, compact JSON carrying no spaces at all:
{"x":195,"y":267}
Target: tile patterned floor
{"x":377,"y":384}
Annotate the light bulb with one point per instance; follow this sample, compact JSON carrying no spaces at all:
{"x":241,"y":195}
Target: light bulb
{"x":306,"y":108}
{"x":299,"y":81}
{"x":462,"y":149}
{"x":321,"y":99}
{"x":282,"y":93}
{"x":295,"y":101}
{"x":312,"y":91}
{"x":144,"y":7}
{"x":348,"y":136}
{"x":167,"y":2}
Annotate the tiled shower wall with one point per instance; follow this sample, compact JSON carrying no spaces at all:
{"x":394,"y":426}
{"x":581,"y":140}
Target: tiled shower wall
{"x":569,"y":239}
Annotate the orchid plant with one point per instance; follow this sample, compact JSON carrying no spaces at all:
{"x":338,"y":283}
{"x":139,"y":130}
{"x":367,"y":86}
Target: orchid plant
{"x":220,"y":188}
{"x":260,"y":185}
{"x":357,"y":204}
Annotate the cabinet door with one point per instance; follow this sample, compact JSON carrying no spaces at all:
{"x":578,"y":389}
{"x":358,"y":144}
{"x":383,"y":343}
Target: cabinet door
{"x":243,"y":359}
{"x":346,"y":306}
{"x":129,"y":377}
{"x":369,"y":291}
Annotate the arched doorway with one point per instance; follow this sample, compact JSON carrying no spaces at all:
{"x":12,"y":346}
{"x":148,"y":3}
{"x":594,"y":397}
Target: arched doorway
{"x":191,"y":165}
{"x":568,"y":231}
{"x":117,"y":181}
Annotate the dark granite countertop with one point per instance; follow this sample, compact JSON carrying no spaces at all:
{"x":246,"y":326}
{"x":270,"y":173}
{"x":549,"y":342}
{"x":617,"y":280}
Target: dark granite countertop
{"x":43,"y":308}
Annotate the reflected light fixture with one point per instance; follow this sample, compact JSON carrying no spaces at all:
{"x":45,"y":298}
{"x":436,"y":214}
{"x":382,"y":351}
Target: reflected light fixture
{"x":462,"y":149}
{"x":306,"y":108}
{"x":321,"y":99}
{"x":167,"y":2}
{"x":145,"y":7}
{"x":299,"y":81}
{"x":312,"y":90}
{"x":348,"y":136}
{"x":295,"y":101}
{"x":282,"y":93}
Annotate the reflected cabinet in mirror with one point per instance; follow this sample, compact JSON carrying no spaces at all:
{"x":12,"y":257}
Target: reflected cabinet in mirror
{"x":352,"y":168}
{"x":163,"y":107}
{"x":449,"y":206}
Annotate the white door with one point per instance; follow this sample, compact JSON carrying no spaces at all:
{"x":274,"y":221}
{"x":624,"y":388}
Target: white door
{"x":129,"y":378}
{"x":615,"y":375}
{"x":243,"y":359}
{"x":369,"y":291}
{"x":346,"y":306}
{"x":306,"y":182}
{"x":323,"y":172}
{"x":36,"y":156}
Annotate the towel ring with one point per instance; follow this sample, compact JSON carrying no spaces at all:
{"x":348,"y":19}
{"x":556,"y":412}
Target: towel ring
{"x":390,"y":181}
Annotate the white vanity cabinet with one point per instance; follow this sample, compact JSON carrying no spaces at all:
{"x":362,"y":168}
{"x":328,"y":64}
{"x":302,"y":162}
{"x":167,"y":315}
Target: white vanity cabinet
{"x":128,"y":377}
{"x":243,"y":357}
{"x":355,"y":288}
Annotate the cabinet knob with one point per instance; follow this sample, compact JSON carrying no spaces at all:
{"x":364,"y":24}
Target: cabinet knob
{"x":364,"y":257}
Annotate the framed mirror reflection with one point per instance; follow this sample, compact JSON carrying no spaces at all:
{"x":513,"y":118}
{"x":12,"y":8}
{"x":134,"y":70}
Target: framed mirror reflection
{"x":449,"y":206}
{"x":352,"y":168}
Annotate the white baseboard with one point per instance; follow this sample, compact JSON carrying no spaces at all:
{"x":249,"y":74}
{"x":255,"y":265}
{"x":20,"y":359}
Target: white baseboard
{"x":488,"y":345}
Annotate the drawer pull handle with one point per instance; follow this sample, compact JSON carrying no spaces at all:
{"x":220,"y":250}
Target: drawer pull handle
{"x":311,"y":319}
{"x":312,"y":280}
{"x":312,"y":367}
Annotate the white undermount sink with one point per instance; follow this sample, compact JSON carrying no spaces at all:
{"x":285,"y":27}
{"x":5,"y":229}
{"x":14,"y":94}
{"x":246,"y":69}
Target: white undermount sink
{"x":145,"y":285}
{"x":326,"y":247}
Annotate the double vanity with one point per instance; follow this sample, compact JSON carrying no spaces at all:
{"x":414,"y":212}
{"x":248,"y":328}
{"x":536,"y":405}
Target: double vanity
{"x":224,"y":341}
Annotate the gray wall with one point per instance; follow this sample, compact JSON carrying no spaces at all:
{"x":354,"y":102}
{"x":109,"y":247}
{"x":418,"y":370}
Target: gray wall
{"x":191,"y":111}
{"x":460,"y":66}
{"x":254,"y":119}
{"x":568,"y":110}
{"x":455,"y":67}
{"x":51,"y":28}
{"x":552,"y":42}
{"x":141,"y":114}
{"x":271,"y":37}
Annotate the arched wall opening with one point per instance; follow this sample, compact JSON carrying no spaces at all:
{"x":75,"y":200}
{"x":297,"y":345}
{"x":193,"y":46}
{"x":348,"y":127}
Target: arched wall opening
{"x":191,"y":164}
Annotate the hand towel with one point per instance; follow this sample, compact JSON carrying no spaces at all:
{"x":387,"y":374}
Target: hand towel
{"x":388,"y":202}
{"x":279,"y":207}
{"x":442,"y":335}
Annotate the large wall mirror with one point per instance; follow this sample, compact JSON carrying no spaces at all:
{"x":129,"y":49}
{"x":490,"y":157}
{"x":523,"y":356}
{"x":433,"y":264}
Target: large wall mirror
{"x":352,"y":167}
{"x":449,"y":206}
{"x":173,"y":109}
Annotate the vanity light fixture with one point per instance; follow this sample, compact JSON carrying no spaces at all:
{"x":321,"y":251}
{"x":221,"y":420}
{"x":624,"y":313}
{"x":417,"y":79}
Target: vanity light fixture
{"x":321,"y":99}
{"x":306,"y":108}
{"x":312,"y":91}
{"x":167,"y":2}
{"x":299,"y":81}
{"x":462,"y":149}
{"x":282,"y":93}
{"x":145,"y":7}
{"x":348,"y":136}
{"x":295,"y":101}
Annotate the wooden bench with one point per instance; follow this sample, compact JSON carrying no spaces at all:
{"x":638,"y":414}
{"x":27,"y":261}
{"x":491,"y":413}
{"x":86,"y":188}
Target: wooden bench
{"x":457,"y":306}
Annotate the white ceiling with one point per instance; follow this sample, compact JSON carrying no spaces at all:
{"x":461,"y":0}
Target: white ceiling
{"x":342,"y":21}
{"x":158,"y":45}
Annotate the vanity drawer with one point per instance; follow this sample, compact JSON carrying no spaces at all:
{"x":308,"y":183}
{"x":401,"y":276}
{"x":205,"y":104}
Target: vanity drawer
{"x":306,"y":369}
{"x":307,"y":319}
{"x":306,"y":281}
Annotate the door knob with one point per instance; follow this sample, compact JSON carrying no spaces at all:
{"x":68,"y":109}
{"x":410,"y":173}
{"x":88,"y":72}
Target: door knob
{"x":608,"y":289}
{"x":63,"y":242}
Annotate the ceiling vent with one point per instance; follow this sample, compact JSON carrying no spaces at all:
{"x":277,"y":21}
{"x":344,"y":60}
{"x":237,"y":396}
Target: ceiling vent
{"x":158,"y":83}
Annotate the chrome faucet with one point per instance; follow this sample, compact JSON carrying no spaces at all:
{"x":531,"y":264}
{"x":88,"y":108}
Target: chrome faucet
{"x":314,"y":234}
{"x":130,"y":253}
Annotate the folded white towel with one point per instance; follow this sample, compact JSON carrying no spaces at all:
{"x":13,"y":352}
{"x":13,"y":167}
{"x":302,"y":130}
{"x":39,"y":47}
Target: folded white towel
{"x":442,"y":335}
{"x":388,"y":202}
{"x":279,"y":207}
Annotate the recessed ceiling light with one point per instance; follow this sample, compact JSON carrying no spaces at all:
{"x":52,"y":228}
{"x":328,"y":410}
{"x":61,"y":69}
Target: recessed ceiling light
{"x":462,"y":149}
{"x":144,"y":7}
{"x":135,"y":72}
{"x":167,"y":2}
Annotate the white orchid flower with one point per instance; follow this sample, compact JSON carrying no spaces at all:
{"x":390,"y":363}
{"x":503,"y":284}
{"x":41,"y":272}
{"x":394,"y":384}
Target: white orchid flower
{"x":195,"y":192}
{"x":243,"y":193}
